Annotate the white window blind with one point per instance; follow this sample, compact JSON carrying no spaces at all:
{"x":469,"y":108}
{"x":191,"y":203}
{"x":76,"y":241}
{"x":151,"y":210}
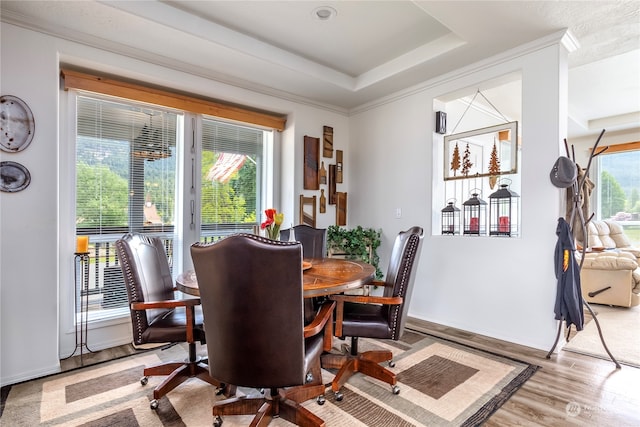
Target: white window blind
{"x":125,"y":181}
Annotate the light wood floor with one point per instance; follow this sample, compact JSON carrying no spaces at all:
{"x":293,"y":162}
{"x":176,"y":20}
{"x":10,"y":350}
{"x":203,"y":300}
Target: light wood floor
{"x":569,"y":390}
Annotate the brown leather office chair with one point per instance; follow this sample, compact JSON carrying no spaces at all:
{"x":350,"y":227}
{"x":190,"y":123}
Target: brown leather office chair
{"x":156,"y":316}
{"x":381,"y":317}
{"x":252,"y":299}
{"x":314,"y":245}
{"x":314,"y":240}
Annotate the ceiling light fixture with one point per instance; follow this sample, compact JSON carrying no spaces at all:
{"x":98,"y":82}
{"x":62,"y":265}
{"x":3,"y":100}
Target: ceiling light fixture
{"x":324,"y":13}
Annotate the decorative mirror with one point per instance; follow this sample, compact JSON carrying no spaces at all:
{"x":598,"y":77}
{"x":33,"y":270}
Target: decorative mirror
{"x":490,"y":152}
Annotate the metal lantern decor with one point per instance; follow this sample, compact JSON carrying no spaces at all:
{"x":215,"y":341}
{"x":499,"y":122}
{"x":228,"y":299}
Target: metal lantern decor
{"x":451,"y":218}
{"x":503,"y":212}
{"x":475,"y":216}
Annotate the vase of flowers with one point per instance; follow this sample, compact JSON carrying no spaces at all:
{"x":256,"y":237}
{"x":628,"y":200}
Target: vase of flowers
{"x":272,"y":224}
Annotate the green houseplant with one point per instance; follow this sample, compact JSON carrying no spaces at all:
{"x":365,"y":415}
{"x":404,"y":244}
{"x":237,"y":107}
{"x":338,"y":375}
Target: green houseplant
{"x":358,"y":243}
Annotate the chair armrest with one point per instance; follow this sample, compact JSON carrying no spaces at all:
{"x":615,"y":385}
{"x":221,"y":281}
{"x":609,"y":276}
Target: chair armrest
{"x":366,"y":299}
{"x":614,"y":260}
{"x":323,"y":320}
{"x":632,"y":250}
{"x":189,"y":303}
{"x":360,"y":299}
{"x":172,"y":303}
{"x":379,"y":283}
{"x":324,"y":317}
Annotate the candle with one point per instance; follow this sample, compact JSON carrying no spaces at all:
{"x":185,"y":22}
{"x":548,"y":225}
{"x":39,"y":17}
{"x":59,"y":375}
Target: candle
{"x":474,"y":224}
{"x":82,"y":244}
{"x":503,"y":224}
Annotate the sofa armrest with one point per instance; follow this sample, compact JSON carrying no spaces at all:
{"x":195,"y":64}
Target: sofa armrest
{"x":633,"y":251}
{"x":610,"y":260}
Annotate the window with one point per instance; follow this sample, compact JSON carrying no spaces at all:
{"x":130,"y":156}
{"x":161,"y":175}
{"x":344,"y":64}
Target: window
{"x":127,"y":176}
{"x":125,"y":182}
{"x":618,"y":188}
{"x":232,"y":165}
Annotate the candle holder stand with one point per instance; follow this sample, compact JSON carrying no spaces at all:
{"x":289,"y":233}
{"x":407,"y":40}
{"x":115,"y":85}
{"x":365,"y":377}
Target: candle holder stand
{"x":81,"y":303}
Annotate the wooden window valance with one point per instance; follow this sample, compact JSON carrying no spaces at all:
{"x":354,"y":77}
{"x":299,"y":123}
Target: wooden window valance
{"x":626,"y":146}
{"x":109,"y":86}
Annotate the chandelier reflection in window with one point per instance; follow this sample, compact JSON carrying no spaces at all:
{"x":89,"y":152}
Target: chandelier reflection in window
{"x":149,"y":145}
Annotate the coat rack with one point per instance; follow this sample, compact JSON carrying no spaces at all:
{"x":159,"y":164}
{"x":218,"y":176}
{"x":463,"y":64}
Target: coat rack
{"x":576,"y":188}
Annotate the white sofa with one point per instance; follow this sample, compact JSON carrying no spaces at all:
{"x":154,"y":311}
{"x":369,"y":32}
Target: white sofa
{"x":611,"y":273}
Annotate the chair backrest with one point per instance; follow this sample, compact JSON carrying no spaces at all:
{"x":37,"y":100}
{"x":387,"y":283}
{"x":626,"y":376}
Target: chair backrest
{"x":251,"y":290}
{"x":401,"y":275}
{"x":314,"y":240}
{"x":147,"y":277}
{"x":308,"y":210}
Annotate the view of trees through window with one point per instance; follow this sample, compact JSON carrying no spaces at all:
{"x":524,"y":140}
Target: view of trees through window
{"x":618,"y":190}
{"x":125,"y":167}
{"x":231,"y":165}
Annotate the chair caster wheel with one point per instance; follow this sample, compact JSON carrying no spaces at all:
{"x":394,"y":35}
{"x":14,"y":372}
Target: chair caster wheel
{"x":154,"y":404}
{"x":392,"y":364}
{"x":320,"y":400}
{"x":339,"y":396}
{"x":144,"y":380}
{"x":395,"y":389}
{"x":220,"y":390}
{"x":217,"y":421}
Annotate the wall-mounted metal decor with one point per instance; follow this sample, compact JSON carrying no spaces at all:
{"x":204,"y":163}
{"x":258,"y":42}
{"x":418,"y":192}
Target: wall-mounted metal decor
{"x":14,"y":177}
{"x":490,"y":151}
{"x":16,"y":124}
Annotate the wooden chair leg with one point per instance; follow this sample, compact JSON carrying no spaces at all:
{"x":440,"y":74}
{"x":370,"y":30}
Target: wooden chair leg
{"x":242,"y":405}
{"x":366,"y":363}
{"x":299,"y":415}
{"x":178,"y":372}
{"x":278,"y":403}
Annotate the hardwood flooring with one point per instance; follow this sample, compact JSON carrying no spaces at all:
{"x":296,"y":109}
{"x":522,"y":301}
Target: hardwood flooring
{"x":569,"y":390}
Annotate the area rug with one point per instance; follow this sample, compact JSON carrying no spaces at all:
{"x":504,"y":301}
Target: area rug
{"x":442,"y":383}
{"x":620,"y":329}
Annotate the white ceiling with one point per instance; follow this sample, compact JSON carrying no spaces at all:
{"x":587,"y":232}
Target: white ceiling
{"x":370,"y":49}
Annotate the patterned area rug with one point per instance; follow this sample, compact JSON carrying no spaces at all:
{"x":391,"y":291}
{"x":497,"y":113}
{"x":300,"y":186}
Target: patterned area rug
{"x":442,"y":384}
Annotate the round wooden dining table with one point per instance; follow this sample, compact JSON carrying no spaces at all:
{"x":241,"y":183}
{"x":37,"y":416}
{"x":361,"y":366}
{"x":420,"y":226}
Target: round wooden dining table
{"x":324,"y":276}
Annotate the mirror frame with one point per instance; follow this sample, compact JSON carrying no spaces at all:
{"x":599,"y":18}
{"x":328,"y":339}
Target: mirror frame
{"x":477,"y":139}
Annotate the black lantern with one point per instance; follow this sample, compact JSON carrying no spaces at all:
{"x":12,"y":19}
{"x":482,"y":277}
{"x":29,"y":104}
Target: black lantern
{"x":503,"y":212}
{"x":475,"y":216}
{"x":451,"y":219}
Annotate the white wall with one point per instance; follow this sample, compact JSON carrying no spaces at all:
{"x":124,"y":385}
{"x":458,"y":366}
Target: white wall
{"x":504,"y":288}
{"x":29,"y":248}
{"x":37,"y":224}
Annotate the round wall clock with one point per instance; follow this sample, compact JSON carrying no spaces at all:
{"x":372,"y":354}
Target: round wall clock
{"x":13,"y":177}
{"x":16,"y":124}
